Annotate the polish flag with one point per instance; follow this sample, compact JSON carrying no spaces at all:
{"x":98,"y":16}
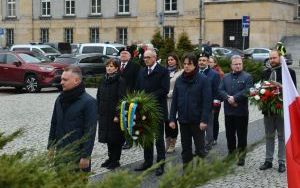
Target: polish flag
{"x":291,"y":109}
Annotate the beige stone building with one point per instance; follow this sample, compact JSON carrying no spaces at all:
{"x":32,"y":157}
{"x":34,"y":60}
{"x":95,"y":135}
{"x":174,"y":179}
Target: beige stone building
{"x":135,"y":21}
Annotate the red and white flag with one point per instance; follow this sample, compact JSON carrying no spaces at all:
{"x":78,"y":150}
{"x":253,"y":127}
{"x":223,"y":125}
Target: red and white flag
{"x":291,"y":110}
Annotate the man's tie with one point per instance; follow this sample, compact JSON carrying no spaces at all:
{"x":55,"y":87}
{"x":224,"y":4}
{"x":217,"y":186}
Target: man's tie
{"x":149,"y":71}
{"x":122,"y":67}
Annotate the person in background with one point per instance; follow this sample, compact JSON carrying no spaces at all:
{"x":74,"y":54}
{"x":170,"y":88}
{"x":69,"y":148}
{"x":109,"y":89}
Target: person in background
{"x":74,"y":119}
{"x":214,"y":79}
{"x":155,"y":79}
{"x":233,"y":91}
{"x":174,"y":67}
{"x":109,"y":93}
{"x":129,"y":72}
{"x":192,"y":102}
{"x":274,"y":123}
{"x":213,"y":63}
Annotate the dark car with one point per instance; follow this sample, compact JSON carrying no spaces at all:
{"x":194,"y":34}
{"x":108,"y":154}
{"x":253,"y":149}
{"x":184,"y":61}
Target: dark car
{"x":90,"y":64}
{"x":21,"y":70}
{"x":227,"y":52}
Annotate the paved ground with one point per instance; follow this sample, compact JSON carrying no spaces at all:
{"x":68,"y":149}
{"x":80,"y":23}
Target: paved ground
{"x":33,"y":112}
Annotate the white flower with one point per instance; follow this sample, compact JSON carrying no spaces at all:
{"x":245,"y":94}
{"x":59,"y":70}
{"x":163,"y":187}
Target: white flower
{"x":137,"y":132}
{"x":257,"y":97}
{"x":267,"y":83}
{"x":134,"y":137}
{"x":257,"y":86}
{"x":144,"y":118}
{"x":262,"y":91}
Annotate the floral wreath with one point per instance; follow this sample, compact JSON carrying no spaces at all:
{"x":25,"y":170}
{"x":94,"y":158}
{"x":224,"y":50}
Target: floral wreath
{"x":140,"y":114}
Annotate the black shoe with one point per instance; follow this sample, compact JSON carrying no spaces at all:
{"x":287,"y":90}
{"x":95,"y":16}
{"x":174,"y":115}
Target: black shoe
{"x":241,"y":162}
{"x":281,"y":168}
{"x":143,"y":167}
{"x":113,"y":165}
{"x":266,"y":165}
{"x":159,"y":171}
{"x":106,"y":163}
{"x":126,"y":146}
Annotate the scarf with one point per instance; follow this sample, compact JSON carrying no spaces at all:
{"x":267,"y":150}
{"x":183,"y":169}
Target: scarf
{"x":190,"y":75}
{"x":109,"y":78}
{"x":70,"y":96}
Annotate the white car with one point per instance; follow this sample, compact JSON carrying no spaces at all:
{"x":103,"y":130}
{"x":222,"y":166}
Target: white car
{"x":258,"y":54}
{"x":102,"y":48}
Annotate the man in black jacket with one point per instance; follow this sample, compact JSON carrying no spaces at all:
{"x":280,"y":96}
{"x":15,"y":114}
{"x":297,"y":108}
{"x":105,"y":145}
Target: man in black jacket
{"x":233,"y":90}
{"x":74,"y":120}
{"x":155,"y":79}
{"x":274,"y":122}
{"x":129,"y":71}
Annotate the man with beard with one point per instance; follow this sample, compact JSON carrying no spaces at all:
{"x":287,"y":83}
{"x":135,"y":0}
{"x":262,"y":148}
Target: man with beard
{"x":74,"y":120}
{"x":275,"y":122}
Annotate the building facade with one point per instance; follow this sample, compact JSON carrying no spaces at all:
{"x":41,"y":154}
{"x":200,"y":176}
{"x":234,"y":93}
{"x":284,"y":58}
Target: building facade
{"x":135,"y":21}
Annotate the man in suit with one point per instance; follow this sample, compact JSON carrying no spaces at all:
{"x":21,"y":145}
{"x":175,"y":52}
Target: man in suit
{"x":129,"y":71}
{"x":214,"y":79}
{"x":154,"y":79}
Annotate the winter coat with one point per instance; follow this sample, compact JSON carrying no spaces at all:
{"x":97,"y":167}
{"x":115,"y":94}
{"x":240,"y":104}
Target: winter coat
{"x":191,"y":100}
{"x":110,"y":92}
{"x":130,"y":74}
{"x":76,"y":122}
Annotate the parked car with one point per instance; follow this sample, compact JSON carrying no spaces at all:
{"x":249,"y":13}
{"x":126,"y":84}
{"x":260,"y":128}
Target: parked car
{"x":90,"y":64}
{"x":21,"y":70}
{"x":46,"y":50}
{"x":227,"y":52}
{"x":262,"y":55}
{"x":62,"y":47}
{"x":103,"y":48}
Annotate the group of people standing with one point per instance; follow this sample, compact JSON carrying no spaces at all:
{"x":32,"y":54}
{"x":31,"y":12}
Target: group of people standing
{"x":190,"y":95}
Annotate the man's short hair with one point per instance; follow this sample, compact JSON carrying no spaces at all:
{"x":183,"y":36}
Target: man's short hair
{"x":236,"y":57}
{"x":153,"y":52}
{"x":75,"y":70}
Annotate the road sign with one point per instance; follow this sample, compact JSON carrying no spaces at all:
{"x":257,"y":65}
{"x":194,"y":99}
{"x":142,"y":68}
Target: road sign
{"x":2,"y":31}
{"x":245,"y":25}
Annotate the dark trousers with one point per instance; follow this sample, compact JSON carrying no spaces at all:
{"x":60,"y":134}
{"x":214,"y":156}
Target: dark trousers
{"x":216,"y":122}
{"x":160,"y":147}
{"x":189,"y":132}
{"x":173,"y":133}
{"x":236,"y":126}
{"x":114,"y":151}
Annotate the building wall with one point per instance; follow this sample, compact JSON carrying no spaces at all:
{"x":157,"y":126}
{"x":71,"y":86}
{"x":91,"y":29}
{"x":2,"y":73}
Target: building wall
{"x":269,"y":20}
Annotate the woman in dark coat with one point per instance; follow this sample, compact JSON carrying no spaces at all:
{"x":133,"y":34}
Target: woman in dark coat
{"x":110,"y":92}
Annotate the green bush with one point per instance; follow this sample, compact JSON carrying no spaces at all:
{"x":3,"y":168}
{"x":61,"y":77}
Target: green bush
{"x":92,"y":81}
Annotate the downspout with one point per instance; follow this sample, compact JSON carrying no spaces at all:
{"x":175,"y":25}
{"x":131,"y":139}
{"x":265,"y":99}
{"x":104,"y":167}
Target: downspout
{"x":32,"y":22}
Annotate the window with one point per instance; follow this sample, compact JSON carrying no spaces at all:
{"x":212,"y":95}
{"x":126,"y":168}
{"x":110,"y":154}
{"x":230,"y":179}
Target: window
{"x":70,"y":7}
{"x":298,"y":9}
{"x":122,"y":36}
{"x":111,"y":51}
{"x":10,"y":59}
{"x":94,"y":35}
{"x":123,"y":7}
{"x":9,"y":37}
{"x":170,"y":5}
{"x":46,"y":8}
{"x":169,"y":32}
{"x":92,"y":49}
{"x":44,"y":35}
{"x":96,"y":7}
{"x":11,"y":8}
{"x":68,"y":35}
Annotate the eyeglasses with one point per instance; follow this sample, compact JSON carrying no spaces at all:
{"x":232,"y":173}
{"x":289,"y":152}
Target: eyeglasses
{"x":147,"y":57}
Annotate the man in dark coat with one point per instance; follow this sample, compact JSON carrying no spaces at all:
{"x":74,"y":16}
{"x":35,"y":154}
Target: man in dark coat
{"x":155,"y":79}
{"x":233,"y":90}
{"x":128,"y":71}
{"x":74,"y":119}
{"x":192,"y":102}
{"x":214,"y":79}
{"x":274,"y":123}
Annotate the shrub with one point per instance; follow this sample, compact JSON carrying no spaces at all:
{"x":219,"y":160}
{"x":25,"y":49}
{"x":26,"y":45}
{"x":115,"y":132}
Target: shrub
{"x":93,"y":81}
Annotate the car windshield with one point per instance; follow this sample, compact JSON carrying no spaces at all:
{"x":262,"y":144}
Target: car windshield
{"x":66,"y":60}
{"x":49,"y":50}
{"x":40,"y":57}
{"x":29,"y":59}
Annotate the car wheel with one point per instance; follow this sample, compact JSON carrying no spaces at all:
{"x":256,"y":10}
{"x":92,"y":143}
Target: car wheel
{"x":31,"y":84}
